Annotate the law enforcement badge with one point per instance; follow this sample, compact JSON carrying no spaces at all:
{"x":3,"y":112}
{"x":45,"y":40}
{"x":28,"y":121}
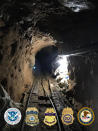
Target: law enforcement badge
{"x":86,"y":116}
{"x":50,"y":117}
{"x":32,"y":116}
{"x":67,"y":116}
{"x":12,"y":116}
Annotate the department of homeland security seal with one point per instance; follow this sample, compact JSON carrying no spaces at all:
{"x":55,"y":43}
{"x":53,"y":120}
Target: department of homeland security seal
{"x":32,"y":116}
{"x":50,"y":117}
{"x":86,"y":116}
{"x":67,"y":116}
{"x":12,"y":116}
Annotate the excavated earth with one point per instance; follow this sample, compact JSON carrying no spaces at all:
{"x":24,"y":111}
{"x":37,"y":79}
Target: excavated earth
{"x":26,"y":27}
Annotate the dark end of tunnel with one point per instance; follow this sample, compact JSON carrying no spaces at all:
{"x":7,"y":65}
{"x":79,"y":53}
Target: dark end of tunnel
{"x":44,"y":59}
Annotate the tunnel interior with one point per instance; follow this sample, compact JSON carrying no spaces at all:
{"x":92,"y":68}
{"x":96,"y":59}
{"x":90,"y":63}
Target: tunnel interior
{"x":72,"y":31}
{"x":44,"y":59}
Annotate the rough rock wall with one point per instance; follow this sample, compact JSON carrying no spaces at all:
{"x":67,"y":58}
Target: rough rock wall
{"x":17,"y":56}
{"x":14,"y":64}
{"x":86,"y":89}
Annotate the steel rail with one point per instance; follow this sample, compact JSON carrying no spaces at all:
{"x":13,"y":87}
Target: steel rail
{"x":27,"y":103}
{"x":51,"y":101}
{"x":53,"y":104}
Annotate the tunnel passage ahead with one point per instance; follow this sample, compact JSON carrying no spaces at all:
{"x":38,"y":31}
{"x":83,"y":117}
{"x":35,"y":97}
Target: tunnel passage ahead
{"x":44,"y":59}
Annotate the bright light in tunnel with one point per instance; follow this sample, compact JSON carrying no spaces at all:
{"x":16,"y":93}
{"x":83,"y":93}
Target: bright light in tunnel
{"x":34,"y":67}
{"x":63,"y":63}
{"x":61,"y":71}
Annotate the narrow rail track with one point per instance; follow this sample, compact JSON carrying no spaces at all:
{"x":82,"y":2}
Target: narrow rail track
{"x":44,"y":100}
{"x":42,"y":103}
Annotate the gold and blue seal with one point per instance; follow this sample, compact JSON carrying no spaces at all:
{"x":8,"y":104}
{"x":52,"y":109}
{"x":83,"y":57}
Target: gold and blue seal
{"x":67,"y":116}
{"x":86,"y":116}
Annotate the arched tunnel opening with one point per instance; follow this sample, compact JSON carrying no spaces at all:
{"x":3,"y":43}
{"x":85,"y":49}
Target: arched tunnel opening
{"x":44,"y":59}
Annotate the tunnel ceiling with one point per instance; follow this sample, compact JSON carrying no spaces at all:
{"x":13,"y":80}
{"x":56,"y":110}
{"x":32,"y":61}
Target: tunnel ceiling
{"x":72,"y":31}
{"x":49,"y":16}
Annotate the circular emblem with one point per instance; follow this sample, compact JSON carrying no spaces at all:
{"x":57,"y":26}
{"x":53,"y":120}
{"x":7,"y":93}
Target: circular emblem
{"x":67,"y":118}
{"x":32,"y":118}
{"x":12,"y":116}
{"x":86,"y":116}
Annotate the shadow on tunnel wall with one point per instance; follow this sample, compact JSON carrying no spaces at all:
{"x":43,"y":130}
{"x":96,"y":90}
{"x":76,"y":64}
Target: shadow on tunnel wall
{"x":86,"y":89}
